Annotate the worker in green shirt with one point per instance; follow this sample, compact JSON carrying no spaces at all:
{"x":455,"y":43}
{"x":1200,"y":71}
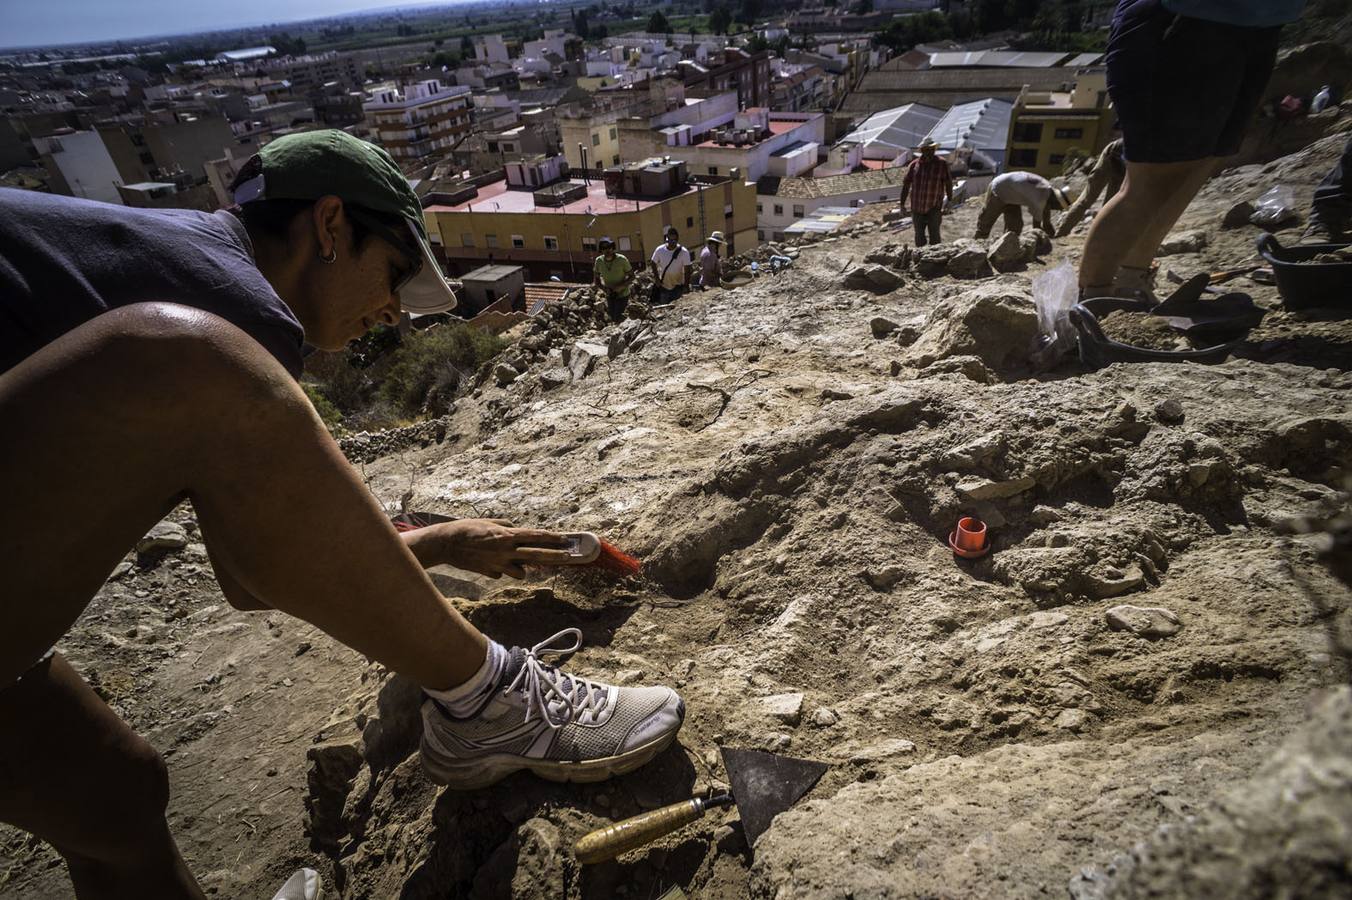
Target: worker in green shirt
{"x":613,"y":274}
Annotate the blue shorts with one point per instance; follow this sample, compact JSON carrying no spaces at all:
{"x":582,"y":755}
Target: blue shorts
{"x":1184,"y":89}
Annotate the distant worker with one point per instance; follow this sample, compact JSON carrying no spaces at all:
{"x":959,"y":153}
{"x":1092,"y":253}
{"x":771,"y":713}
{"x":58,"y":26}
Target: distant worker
{"x":929,"y":184}
{"x":613,"y":274}
{"x":670,"y":266}
{"x":710,"y":266}
{"x":1185,"y":77}
{"x":1105,"y":177}
{"x":1010,"y":192}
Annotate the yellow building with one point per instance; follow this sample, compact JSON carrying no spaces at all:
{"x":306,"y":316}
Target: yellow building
{"x":552,"y":227}
{"x":1046,"y":127}
{"x":597,"y":136}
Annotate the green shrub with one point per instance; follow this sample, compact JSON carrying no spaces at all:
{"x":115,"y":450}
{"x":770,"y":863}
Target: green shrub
{"x":432,"y":366}
{"x":328,"y":413}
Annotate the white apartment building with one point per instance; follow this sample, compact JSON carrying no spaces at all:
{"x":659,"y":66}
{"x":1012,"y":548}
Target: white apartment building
{"x":782,"y":201}
{"x":757,"y":142}
{"x":424,"y":118}
{"x":79,"y":165}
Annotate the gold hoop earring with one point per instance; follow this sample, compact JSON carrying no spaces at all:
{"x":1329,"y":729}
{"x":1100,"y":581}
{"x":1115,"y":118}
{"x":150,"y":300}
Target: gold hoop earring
{"x":331,"y":258}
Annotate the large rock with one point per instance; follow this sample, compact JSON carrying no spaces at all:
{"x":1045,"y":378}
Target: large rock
{"x":582,"y":357}
{"x":932,"y":261}
{"x":1035,"y":242}
{"x":875,"y":278}
{"x":164,"y":537}
{"x":505,"y":374}
{"x":1183,"y":242}
{"x":968,"y":260}
{"x":994,"y":322}
{"x":1146,"y":621}
{"x":1005,"y":253}
{"x":1238,"y":215}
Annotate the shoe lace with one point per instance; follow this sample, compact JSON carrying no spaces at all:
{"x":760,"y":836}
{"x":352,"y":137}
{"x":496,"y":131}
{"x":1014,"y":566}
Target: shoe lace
{"x":542,"y":683}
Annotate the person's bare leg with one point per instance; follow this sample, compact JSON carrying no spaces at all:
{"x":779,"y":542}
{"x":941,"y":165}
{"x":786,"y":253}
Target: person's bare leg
{"x":147,"y":404}
{"x":81,"y":780}
{"x":1134,"y":222}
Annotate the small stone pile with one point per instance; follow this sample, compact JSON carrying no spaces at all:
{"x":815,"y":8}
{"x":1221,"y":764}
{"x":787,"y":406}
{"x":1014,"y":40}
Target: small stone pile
{"x":366,"y":446}
{"x":963,"y":258}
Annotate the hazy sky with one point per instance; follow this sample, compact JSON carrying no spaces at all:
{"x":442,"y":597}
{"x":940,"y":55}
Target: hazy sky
{"x":29,"y":22}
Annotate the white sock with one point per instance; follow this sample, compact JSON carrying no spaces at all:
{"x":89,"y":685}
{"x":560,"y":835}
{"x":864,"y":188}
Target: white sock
{"x":466,"y":699}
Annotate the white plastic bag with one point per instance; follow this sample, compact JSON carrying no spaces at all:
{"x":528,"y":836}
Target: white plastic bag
{"x":1054,"y":293}
{"x":1277,"y":205}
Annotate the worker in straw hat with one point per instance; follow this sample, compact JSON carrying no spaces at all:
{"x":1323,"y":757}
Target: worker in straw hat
{"x":1009,"y":193}
{"x":929,"y":184}
{"x":710,"y":266}
{"x":152,"y":356}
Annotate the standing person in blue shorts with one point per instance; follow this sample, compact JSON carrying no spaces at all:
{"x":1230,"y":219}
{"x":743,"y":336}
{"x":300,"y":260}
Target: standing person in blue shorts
{"x":1185,"y":77}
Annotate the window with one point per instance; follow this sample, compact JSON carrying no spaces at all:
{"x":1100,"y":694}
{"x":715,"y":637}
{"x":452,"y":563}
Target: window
{"x":518,"y":242}
{"x":492,"y":146}
{"x":689,"y":221}
{"x":713,"y":170}
{"x":779,"y":235}
{"x":1070,"y":134}
{"x":596,"y":140}
{"x":760,"y":235}
{"x":509,"y":148}
{"x":1056,"y":159}
{"x":760,"y":208}
{"x":1027,"y":132}
{"x":551,"y":242}
{"x":779,"y":209}
{"x":1022,"y":158}
{"x":615,"y":160}
{"x":589,"y":244}
{"x":798,"y":211}
{"x":466,"y":239}
{"x":623,"y":243}
{"x":491,"y":241}
{"x":612,"y":133}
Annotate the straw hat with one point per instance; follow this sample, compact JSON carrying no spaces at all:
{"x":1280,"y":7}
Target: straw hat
{"x":717,"y":237}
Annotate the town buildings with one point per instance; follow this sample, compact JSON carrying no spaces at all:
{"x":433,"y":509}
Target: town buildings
{"x":541,"y":217}
{"x":422,"y":119}
{"x":1045,"y":127}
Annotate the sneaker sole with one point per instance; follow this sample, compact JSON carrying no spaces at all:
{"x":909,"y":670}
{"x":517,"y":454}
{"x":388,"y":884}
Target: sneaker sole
{"x":487,"y":770}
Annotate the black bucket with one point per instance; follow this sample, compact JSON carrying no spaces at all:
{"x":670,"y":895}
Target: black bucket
{"x":1305,"y":285}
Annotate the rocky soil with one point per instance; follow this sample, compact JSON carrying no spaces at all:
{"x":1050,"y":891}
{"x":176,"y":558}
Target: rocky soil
{"x":1138,"y":692}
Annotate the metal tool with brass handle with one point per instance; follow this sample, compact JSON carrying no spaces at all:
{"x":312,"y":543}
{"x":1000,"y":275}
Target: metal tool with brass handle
{"x":635,"y":831}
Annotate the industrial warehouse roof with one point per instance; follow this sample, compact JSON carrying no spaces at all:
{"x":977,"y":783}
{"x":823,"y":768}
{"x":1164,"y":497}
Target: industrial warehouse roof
{"x":980,"y":124}
{"x":995,"y":58}
{"x":882,"y":90}
{"x":491,"y":273}
{"x":830,"y":186}
{"x":897,"y":129}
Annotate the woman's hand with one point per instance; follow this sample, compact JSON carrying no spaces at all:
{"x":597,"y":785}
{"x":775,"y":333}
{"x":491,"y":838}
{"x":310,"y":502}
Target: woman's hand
{"x":490,"y":547}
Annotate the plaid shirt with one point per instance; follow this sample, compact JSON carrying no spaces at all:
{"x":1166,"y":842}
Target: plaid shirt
{"x":927,"y":181}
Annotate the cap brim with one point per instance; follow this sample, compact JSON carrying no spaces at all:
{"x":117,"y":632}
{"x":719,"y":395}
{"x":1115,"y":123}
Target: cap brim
{"x":428,"y":292}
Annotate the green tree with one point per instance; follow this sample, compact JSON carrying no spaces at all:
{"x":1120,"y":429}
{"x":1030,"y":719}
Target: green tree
{"x":658,"y":24}
{"x":749,"y":11}
{"x":719,"y":20}
{"x":467,"y":47}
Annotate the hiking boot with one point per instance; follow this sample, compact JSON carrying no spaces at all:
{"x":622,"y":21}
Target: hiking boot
{"x":1316,"y":232}
{"x":561,"y":727}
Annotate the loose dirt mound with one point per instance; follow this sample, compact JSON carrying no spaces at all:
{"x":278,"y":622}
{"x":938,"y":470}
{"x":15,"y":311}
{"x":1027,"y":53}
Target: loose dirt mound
{"x":1073,"y":712}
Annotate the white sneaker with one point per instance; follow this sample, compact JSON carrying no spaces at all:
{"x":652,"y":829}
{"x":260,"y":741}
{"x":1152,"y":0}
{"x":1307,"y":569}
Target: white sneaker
{"x":304,"y":884}
{"x":561,"y":727}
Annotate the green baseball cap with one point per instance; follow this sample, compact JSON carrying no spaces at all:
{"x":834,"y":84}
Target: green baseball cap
{"x":313,"y":164}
